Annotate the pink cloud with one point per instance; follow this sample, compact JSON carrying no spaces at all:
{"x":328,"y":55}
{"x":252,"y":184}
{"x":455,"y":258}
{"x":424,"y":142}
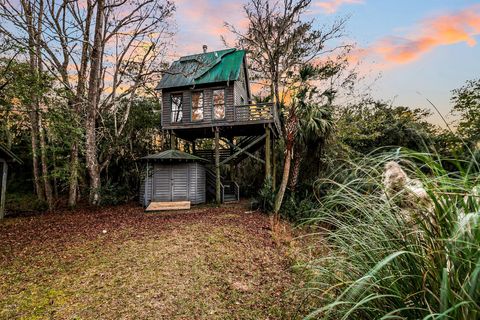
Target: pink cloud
{"x":443,"y":30}
{"x":202,"y":22}
{"x":331,"y":6}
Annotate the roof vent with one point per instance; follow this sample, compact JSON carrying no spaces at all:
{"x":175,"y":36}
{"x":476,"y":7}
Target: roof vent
{"x":205,"y":48}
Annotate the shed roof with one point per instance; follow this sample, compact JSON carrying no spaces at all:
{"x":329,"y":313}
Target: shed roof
{"x":8,"y":155}
{"x":174,"y":155}
{"x":203,"y":68}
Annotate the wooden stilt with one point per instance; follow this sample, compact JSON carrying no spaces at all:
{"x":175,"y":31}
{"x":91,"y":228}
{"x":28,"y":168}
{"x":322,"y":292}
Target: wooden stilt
{"x":172,"y":140}
{"x":268,"y":148}
{"x":193,"y":146}
{"x":4,"y":188}
{"x":218,"y":197}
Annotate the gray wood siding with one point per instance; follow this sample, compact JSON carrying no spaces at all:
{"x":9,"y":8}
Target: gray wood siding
{"x":174,"y":182}
{"x":146,"y":184}
{"x":240,"y":89}
{"x":230,"y":101}
{"x":166,"y":107}
{"x":197,"y":183}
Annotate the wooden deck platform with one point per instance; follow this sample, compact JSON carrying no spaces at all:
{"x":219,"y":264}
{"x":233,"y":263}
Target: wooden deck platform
{"x":164,"y":206}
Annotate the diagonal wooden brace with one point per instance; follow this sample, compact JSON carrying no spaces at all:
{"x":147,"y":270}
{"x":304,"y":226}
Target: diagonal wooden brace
{"x":244,"y":150}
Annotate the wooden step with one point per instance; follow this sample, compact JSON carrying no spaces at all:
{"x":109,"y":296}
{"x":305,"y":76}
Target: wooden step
{"x":174,"y":205}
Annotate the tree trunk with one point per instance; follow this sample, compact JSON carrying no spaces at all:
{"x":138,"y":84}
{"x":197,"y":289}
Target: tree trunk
{"x":33,"y":114}
{"x":283,"y":184}
{"x":34,"y":143}
{"x":43,"y":156}
{"x":92,"y":106}
{"x":73,"y":185}
{"x":297,"y":160}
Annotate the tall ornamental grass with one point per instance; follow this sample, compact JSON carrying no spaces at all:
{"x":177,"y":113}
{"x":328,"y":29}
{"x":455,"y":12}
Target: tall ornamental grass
{"x":408,"y":253}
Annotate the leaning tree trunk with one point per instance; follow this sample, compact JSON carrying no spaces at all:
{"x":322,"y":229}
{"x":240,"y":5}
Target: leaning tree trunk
{"x":290,"y":133}
{"x":92,"y":106}
{"x":283,"y":184}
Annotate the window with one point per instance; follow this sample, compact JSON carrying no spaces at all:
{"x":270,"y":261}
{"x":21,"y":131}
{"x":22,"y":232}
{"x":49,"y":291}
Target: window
{"x":177,"y":107}
{"x":219,"y":104}
{"x":197,"y":105}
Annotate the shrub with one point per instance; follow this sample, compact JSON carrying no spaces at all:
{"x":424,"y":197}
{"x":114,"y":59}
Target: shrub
{"x":390,"y":258}
{"x":114,"y":194}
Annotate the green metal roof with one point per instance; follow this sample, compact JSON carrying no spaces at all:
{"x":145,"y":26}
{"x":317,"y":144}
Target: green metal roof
{"x":170,"y":155}
{"x":6,"y":153}
{"x":210,"y":67}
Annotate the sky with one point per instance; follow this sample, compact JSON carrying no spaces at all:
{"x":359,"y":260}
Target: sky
{"x":408,"y":50}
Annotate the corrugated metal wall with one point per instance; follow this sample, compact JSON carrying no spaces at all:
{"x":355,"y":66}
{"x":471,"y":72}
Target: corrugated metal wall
{"x":174,"y":182}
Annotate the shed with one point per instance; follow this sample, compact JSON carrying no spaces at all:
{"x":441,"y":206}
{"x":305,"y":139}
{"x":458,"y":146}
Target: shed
{"x":173,"y":175}
{"x":6,"y":157}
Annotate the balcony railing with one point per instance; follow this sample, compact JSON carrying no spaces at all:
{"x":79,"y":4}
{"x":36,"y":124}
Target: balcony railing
{"x":254,"y":111}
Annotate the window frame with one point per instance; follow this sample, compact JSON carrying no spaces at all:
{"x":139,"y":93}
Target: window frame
{"x":178,"y":94}
{"x":224,"y":103}
{"x":202,"y":107}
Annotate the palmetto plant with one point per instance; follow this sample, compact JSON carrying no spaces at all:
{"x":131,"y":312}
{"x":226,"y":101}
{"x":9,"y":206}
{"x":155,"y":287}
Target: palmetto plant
{"x":391,"y":259}
{"x":314,"y":118}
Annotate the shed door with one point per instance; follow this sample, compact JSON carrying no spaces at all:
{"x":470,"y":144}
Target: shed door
{"x":162,"y":190}
{"x":179,"y":182}
{"x":171,"y":183}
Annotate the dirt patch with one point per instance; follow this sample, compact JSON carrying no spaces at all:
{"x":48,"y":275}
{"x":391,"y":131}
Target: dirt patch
{"x":120,"y":263}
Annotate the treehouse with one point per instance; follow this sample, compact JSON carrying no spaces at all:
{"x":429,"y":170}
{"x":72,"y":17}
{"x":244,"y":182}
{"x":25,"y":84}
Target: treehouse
{"x":208,"y":95}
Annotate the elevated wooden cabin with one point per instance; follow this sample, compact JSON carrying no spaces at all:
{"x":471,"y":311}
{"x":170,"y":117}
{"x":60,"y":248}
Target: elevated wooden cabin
{"x":212,"y":89}
{"x":207,"y":95}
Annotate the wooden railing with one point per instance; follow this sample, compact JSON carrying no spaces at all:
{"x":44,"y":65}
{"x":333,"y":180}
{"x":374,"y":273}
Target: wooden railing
{"x":254,"y":111}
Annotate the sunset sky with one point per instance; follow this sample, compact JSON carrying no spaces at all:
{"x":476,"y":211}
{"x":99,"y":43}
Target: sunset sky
{"x":419,"y":48}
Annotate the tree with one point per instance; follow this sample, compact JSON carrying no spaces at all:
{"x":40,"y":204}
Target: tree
{"x":100,"y":53}
{"x":370,"y":125}
{"x":466,"y":105}
{"x":280,"y":40}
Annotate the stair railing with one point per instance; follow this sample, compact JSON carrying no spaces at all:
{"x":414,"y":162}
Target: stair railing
{"x":236,"y":189}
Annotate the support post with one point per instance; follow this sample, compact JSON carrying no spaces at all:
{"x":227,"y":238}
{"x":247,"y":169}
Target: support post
{"x":172,"y":140}
{"x":218,"y":197}
{"x":194,"y":149}
{"x":4,"y":188}
{"x":268,"y":148}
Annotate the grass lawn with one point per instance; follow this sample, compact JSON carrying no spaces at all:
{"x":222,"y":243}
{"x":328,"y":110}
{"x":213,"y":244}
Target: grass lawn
{"x":120,"y":263}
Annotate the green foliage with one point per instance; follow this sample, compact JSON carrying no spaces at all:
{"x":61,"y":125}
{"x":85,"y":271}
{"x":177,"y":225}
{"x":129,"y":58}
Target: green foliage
{"x":266,"y":196}
{"x":115,"y":194}
{"x":374,"y":124}
{"x":298,"y":207}
{"x":466,"y":102}
{"x":398,"y":255}
{"x":25,"y":202}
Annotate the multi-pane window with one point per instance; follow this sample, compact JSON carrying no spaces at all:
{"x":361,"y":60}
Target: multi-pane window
{"x":177,"y":107}
{"x":197,"y":105}
{"x":219,"y":104}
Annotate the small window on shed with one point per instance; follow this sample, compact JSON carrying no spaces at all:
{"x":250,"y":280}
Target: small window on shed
{"x":219,"y":104}
{"x":177,"y":107}
{"x":197,"y":105}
